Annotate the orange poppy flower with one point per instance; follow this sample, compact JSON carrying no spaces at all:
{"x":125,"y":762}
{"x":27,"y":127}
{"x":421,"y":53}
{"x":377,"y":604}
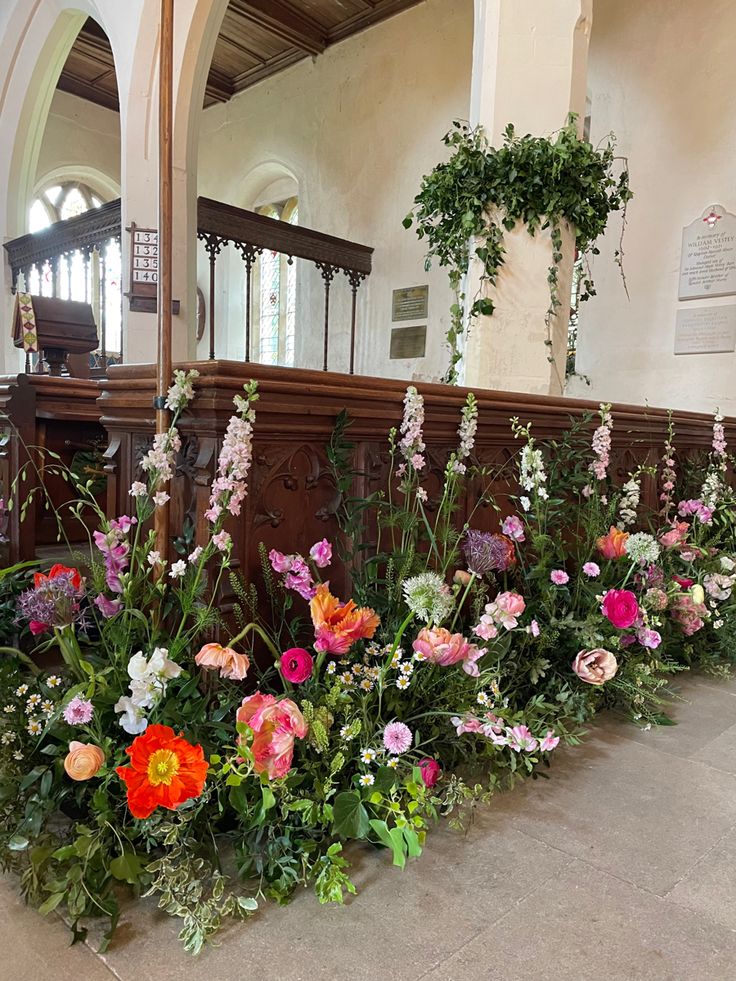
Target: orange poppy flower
{"x":612,"y":545}
{"x":338,"y":625}
{"x":59,"y":570}
{"x":165,"y":770}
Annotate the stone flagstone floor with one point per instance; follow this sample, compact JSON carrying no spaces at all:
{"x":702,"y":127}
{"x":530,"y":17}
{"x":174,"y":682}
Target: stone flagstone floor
{"x":620,"y":867}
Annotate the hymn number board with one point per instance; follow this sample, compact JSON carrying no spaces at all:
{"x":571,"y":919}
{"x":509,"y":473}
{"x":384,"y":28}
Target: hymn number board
{"x":143,"y":268}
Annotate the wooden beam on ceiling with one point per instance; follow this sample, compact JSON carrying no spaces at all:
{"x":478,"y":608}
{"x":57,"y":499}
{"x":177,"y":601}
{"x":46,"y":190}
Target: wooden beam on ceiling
{"x":271,"y":67}
{"x":379,"y":10}
{"x":219,"y":87}
{"x":284,"y":22}
{"x":87,"y":90}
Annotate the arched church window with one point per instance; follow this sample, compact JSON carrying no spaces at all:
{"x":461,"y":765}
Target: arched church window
{"x":274,"y":302}
{"x":94,"y":278}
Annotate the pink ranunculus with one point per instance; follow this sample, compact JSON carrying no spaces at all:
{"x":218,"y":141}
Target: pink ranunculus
{"x":321,"y":553}
{"x":441,"y":647}
{"x":296,"y":665}
{"x":275,"y":725}
{"x":596,"y":666}
{"x":620,"y":607}
{"x":513,"y":528}
{"x":279,"y":561}
{"x":430,"y":771}
{"x":559,"y":577}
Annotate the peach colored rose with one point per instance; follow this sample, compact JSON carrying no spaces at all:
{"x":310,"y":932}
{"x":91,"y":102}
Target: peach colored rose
{"x":231,"y":664}
{"x":596,"y":666}
{"x":83,"y":760}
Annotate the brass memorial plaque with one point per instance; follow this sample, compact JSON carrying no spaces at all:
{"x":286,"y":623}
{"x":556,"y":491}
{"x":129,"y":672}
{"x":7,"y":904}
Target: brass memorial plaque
{"x":408,"y":342}
{"x":410,"y":303}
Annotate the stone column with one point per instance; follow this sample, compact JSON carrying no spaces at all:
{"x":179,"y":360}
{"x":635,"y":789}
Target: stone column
{"x":529,"y":69}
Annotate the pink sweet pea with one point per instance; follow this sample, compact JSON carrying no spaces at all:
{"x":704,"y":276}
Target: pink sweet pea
{"x":513,"y":527}
{"x":321,"y":553}
{"x":279,"y":561}
{"x":649,"y":638}
{"x":550,"y":742}
{"x":520,"y":738}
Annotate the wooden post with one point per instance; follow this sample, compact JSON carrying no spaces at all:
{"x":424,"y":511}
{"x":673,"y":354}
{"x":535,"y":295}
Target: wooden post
{"x":165,"y":222}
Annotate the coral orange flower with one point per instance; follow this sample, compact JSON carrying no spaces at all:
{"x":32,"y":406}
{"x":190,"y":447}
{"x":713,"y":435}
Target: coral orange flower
{"x":59,"y":570}
{"x":230,"y":664}
{"x":165,"y":770}
{"x":338,"y":625}
{"x":612,"y":545}
{"x":275,"y":725}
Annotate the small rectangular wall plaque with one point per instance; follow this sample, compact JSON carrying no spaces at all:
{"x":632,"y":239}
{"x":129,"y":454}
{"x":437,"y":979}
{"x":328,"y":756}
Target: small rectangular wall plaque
{"x":410,"y":303}
{"x":708,"y":258}
{"x":408,"y":342}
{"x":706,"y":330}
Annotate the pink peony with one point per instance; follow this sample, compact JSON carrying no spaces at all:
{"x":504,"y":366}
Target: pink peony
{"x":275,"y":725}
{"x":596,"y":666}
{"x":296,"y":665}
{"x":430,"y":771}
{"x":397,"y":738}
{"x":321,"y":553}
{"x":620,"y":607}
{"x":559,"y":577}
{"x":441,"y":647}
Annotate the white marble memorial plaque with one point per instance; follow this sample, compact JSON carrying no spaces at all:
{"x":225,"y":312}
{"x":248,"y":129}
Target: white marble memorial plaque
{"x":706,"y":330}
{"x":708,"y":259}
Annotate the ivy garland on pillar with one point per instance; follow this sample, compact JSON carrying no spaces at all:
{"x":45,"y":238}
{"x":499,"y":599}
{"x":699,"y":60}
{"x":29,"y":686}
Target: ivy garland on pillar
{"x":465,"y":205}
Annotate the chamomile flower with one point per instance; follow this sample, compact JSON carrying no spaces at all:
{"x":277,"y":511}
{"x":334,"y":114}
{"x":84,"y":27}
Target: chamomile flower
{"x":347,"y":678}
{"x":402,"y":682}
{"x":53,"y":681}
{"x":9,"y":709}
{"x":367,"y":780}
{"x":21,"y":690}
{"x":393,"y":762}
{"x":418,"y":656}
{"x":34,"y":727}
{"x":33,"y":701}
{"x":374,"y":673}
{"x":17,"y":755}
{"x":366,"y":684}
{"x":345,"y":733}
{"x":368,"y":755}
{"x":7,"y":737}
{"x":407,"y":669}
{"x":47,"y":707}
{"x":373,"y":649}
{"x":331,"y":668}
{"x":356,"y":668}
{"x":396,"y":660}
{"x":482,"y":698}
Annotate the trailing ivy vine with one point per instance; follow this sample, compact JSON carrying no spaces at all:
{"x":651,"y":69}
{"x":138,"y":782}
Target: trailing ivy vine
{"x":465,"y":205}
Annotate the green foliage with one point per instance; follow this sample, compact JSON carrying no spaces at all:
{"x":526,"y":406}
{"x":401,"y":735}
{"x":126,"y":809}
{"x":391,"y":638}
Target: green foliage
{"x":466,"y":204}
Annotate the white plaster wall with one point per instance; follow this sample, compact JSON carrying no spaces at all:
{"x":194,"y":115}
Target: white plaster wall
{"x":358,"y":127}
{"x":81,"y":139}
{"x":662,"y":75}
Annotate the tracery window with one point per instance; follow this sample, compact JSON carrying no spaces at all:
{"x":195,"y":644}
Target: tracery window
{"x":273,"y":314}
{"x":94,"y":278}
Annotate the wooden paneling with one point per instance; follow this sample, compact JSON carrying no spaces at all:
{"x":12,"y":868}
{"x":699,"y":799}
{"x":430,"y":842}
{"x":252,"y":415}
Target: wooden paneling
{"x":258,"y":38}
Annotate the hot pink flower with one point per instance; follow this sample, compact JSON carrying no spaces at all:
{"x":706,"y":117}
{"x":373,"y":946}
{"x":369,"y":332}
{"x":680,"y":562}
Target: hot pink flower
{"x":596,"y":666}
{"x":275,"y":725}
{"x":441,"y":647}
{"x":430,"y":771}
{"x":321,"y":553}
{"x":620,"y":607}
{"x":296,"y":665}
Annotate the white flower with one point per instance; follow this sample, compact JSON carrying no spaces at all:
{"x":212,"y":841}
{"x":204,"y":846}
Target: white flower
{"x":368,"y":755}
{"x":366,"y":684}
{"x":421,"y":494}
{"x":160,"y":498}
{"x":629,"y":502}
{"x":53,"y":681}
{"x":347,"y":678}
{"x":407,"y":669}
{"x":47,"y":707}
{"x":33,"y":701}
{"x":178,"y":569}
{"x":153,"y":557}
{"x":717,"y":624}
{"x":7,"y":737}
{"x":132,"y":719}
{"x":525,"y":503}
{"x":367,"y":780}
{"x":402,"y":683}
{"x":182,"y":391}
{"x":331,"y":668}
{"x":393,"y":762}
{"x":162,"y":666}
{"x":138,"y":489}
{"x":8,"y":709}
{"x":642,"y":548}
{"x":195,"y":555}
{"x":17,"y":755}
{"x":418,"y":656}
{"x":428,"y":597}
{"x":345,"y":733}
{"x":21,"y":690}
{"x":34,"y":727}
{"x":482,"y":698}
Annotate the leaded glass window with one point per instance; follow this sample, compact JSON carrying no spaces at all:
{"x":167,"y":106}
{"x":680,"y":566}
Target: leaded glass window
{"x":273,"y":313}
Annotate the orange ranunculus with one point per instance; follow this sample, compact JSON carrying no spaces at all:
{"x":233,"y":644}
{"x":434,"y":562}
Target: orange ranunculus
{"x":338,"y":625}
{"x":83,"y":760}
{"x":165,"y":770}
{"x":275,"y":725}
{"x":611,"y":546}
{"x":58,"y":570}
{"x":231,"y":664}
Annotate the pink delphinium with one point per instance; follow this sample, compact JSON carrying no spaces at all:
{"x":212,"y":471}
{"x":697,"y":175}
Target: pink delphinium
{"x":78,"y":711}
{"x":559,"y":577}
{"x":230,"y":485}
{"x":397,"y":738}
{"x":411,"y":443}
{"x":222,"y":540}
{"x":601,"y":444}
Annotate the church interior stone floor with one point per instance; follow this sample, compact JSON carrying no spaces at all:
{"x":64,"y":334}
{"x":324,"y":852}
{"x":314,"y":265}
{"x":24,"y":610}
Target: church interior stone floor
{"x":619,"y":867}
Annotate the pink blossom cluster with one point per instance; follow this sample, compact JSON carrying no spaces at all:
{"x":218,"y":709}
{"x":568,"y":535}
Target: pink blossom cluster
{"x":159,"y":461}
{"x":115,"y":550}
{"x":719,"y":436}
{"x":518,"y":738}
{"x":412,"y":443}
{"x":295,"y":568}
{"x":230,"y":485}
{"x":602,"y":445}
{"x":466,"y":432}
{"x":504,"y":611}
{"x":695,"y":507}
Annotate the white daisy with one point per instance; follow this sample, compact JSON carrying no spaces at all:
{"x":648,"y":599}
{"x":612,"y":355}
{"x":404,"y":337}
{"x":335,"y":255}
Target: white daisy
{"x":407,"y":669}
{"x":331,"y":667}
{"x":402,"y":683}
{"x":347,"y":678}
{"x":47,"y":707}
{"x":368,"y":755}
{"x":367,"y":780}
{"x":53,"y":681}
{"x":366,"y":684}
{"x":345,"y":733}
{"x":393,"y":762}
{"x":9,"y":709}
{"x":17,"y":755}
{"x":7,"y":737}
{"x":418,"y":656}
{"x":34,"y":727}
{"x":21,"y":690}
{"x":482,"y":698}
{"x":33,"y":701}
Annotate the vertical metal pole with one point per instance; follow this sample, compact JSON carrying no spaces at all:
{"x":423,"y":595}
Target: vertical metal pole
{"x":165,"y":220}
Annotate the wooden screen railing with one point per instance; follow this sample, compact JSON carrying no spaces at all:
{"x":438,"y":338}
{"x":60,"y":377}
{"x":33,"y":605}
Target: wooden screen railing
{"x":50,"y":253}
{"x":252,"y":234}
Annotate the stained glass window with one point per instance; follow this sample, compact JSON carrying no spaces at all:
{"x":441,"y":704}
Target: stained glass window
{"x":273,"y":315}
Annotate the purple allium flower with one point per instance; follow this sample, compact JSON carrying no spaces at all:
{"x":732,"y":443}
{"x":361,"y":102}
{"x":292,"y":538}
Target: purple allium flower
{"x":78,"y":712}
{"x":485,"y":552}
{"x":397,"y":737}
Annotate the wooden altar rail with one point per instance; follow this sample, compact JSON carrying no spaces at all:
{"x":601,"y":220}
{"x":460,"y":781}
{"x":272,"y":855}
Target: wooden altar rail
{"x":56,"y":414}
{"x":292,"y":500}
{"x":252,"y":234}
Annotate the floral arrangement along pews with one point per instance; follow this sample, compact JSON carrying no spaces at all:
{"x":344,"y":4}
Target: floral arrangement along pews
{"x":167,"y":737}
